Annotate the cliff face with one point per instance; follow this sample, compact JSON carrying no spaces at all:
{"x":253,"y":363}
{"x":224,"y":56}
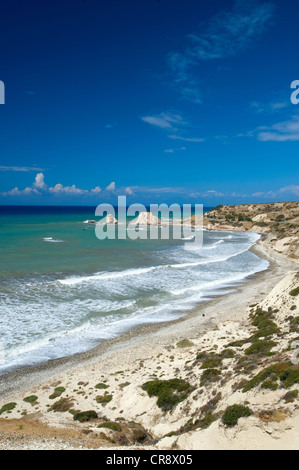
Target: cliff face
{"x":279,"y":222}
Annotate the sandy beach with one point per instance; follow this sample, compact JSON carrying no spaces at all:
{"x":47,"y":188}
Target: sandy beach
{"x":151,"y":338}
{"x":122,"y":365}
{"x":149,"y":228}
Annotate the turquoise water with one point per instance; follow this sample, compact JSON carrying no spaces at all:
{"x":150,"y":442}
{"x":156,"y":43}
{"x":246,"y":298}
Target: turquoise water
{"x":62,"y":290}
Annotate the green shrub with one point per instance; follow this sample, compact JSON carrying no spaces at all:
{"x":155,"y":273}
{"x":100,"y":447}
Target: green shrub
{"x":201,"y":355}
{"x":167,"y":400}
{"x":261,"y":224}
{"x":110,"y":425}
{"x":7,"y":407}
{"x":290,"y":377}
{"x":233,"y":413}
{"x":294,"y":324}
{"x":210,"y":375}
{"x":244,"y":218}
{"x":185,"y":343}
{"x":62,"y":405}
{"x":30,"y":399}
{"x":272,"y":372}
{"x":101,"y":385}
{"x":84,"y":416}
{"x":260,"y":347}
{"x":54,"y":395}
{"x":270,"y":385}
{"x":227,"y":354}
{"x":263,"y":321}
{"x":263,"y":333}
{"x":169,"y":392}
{"x":207,"y":420}
{"x":290,"y":396}
{"x":103,"y":399}
{"x":211,"y":363}
{"x":59,"y":389}
{"x":294,"y":292}
{"x":237,"y":344}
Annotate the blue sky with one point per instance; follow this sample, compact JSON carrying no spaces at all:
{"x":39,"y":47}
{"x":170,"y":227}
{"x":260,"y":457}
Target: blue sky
{"x":170,"y":101}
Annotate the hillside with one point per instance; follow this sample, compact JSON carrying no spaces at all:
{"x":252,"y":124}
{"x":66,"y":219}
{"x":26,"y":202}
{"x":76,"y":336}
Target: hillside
{"x":234,"y":387}
{"x":279,"y":222}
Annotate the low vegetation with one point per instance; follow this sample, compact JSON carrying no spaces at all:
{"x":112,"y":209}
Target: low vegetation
{"x":233,"y":413}
{"x":7,"y":407}
{"x":168,"y":392}
{"x":62,"y":405}
{"x":294,"y":292}
{"x":286,"y":374}
{"x":30,"y":399}
{"x":185,"y":343}
{"x":101,"y":385}
{"x":110,"y":425}
{"x":84,"y":416}
{"x":103,"y":399}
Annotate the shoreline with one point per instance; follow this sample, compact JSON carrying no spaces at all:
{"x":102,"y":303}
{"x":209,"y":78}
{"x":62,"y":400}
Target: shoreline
{"x":148,"y":338}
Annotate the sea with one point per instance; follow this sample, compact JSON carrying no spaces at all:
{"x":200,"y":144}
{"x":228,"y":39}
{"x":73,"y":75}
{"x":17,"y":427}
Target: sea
{"x":63,"y":291}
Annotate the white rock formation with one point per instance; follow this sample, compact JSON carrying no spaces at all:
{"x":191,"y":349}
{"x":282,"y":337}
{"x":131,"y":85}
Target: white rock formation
{"x":147,"y":218}
{"x":110,"y":219}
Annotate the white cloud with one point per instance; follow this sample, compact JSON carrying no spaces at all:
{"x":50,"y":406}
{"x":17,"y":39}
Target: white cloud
{"x":230,"y":32}
{"x":72,"y":190}
{"x":129,"y":191}
{"x":111,"y":126}
{"x":205,"y":194}
{"x":293,"y":189}
{"x":271,"y":107}
{"x":111,"y":186}
{"x":164,"y":120}
{"x":23,"y":192}
{"x":172,"y":150}
{"x":288,"y":191}
{"x":96,"y":190}
{"x":39,"y":182}
{"x":213,"y":192}
{"x":13,"y":192}
{"x":227,"y":34}
{"x":186,"y":139}
{"x":174,"y":122}
{"x":39,"y":187}
{"x":19,"y":168}
{"x":286,"y":131}
{"x":157,"y":190}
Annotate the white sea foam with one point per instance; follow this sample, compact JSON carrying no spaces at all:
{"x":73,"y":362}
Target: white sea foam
{"x":107,"y":275}
{"x":229,"y":280}
{"x":49,"y":318}
{"x":52,"y":240}
{"x":102,"y":276}
{"x":214,"y":245}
